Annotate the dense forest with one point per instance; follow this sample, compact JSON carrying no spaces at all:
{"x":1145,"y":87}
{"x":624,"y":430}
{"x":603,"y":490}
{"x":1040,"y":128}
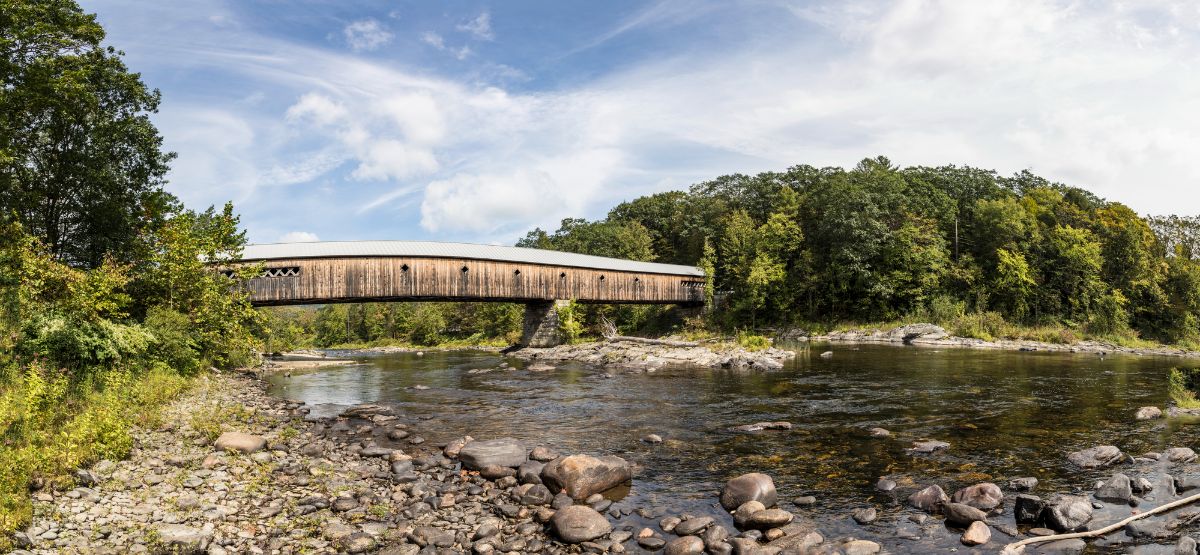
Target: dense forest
{"x":107,"y":304}
{"x":811,"y":247}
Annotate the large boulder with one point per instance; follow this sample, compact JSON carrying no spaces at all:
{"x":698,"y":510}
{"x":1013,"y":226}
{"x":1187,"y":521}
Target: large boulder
{"x":579,"y":523}
{"x":1118,"y":489}
{"x":984,"y":495}
{"x":1099,"y":456}
{"x":749,"y":487}
{"x":1065,"y":513}
{"x":508,"y":452}
{"x":579,"y":476}
{"x":929,"y":499}
{"x":240,"y":442}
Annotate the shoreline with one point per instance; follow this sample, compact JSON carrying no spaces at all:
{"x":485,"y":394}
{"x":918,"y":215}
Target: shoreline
{"x":929,"y":335}
{"x":232,"y":469}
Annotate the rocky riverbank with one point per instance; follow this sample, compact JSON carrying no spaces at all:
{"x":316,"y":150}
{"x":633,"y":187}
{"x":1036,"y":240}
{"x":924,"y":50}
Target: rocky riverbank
{"x":230,"y":469}
{"x":636,"y":355}
{"x":929,"y":335}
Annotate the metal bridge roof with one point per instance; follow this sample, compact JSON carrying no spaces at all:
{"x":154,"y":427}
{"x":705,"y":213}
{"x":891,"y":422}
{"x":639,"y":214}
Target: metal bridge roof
{"x":340,"y":249}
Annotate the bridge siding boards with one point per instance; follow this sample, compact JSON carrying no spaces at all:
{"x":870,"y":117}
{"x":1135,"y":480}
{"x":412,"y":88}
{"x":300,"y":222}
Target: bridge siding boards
{"x":367,"y":278}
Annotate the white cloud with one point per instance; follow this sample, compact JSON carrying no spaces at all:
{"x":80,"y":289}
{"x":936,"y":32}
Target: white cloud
{"x":1097,"y":95}
{"x":366,"y":34}
{"x":392,"y":159}
{"x":538,"y":192}
{"x":317,"y":108}
{"x":435,"y":40}
{"x":298,"y":237}
{"x":480,"y":27}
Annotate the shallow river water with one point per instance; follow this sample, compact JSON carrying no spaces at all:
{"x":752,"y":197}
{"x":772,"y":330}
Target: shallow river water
{"x":1005,"y":415}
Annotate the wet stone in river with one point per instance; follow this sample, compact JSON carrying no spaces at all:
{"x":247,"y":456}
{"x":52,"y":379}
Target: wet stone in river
{"x":748,"y":487}
{"x":929,"y":499}
{"x":985,"y":496}
{"x":1097,"y":457}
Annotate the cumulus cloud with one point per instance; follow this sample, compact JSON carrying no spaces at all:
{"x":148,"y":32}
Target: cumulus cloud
{"x":366,"y":34}
{"x":1097,"y":95}
{"x":480,"y":27}
{"x":298,"y":237}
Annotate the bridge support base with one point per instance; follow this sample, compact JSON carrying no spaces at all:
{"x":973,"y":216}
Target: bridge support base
{"x":540,"y":328}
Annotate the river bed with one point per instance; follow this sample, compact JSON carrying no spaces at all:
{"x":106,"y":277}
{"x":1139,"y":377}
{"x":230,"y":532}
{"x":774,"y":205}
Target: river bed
{"x":1005,"y":415}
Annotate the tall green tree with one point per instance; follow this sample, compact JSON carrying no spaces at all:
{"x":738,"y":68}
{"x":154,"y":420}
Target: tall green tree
{"x":81,"y":164}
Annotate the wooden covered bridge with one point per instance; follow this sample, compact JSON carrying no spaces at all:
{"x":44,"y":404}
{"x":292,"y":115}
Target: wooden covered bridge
{"x":367,"y":271}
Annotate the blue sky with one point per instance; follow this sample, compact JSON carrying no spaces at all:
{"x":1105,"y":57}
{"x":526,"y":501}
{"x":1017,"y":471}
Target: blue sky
{"x":475,"y":121}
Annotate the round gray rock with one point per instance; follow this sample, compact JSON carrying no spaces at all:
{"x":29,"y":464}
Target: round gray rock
{"x":749,"y":487}
{"x":579,"y":523}
{"x":507,"y":452}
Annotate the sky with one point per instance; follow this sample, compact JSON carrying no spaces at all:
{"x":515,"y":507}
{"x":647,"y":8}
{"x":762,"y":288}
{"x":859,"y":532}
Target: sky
{"x":475,"y":121}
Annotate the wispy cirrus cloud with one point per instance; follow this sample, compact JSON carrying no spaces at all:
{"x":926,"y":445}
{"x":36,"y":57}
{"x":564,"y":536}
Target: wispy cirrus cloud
{"x":480,"y":27}
{"x":1096,"y":95}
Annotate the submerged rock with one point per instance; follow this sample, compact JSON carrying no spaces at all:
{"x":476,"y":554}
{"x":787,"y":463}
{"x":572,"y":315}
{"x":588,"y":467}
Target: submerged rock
{"x":1148,"y":413}
{"x":760,"y":426}
{"x":929,"y":499}
{"x":749,"y":487}
{"x":1023,"y":484}
{"x":1096,"y":457}
{"x":928,"y":446}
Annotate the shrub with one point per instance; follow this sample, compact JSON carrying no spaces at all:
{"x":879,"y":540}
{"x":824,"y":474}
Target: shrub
{"x":1182,"y":385}
{"x":173,"y":341}
{"x":752,"y":342}
{"x":570,"y":322}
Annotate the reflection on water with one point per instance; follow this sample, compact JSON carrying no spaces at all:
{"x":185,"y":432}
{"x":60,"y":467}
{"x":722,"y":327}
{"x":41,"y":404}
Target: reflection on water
{"x":1005,"y":414}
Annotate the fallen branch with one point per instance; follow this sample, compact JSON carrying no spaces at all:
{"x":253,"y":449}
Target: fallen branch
{"x":609,"y":330}
{"x":667,"y":342}
{"x":1019,"y":547}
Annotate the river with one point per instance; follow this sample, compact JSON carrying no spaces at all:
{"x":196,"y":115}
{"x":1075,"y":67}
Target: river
{"x":1005,"y":415}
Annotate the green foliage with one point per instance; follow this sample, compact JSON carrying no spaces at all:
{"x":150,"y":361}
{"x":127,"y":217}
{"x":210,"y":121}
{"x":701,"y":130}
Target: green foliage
{"x":1182,"y":385}
{"x":570,"y":322}
{"x":752,"y":342}
{"x":988,"y":254}
{"x":109,"y":297}
{"x":417,"y":323}
{"x":82,"y":164}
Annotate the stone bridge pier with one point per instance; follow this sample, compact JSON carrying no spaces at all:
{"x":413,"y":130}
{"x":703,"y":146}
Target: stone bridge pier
{"x":540,"y":327}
